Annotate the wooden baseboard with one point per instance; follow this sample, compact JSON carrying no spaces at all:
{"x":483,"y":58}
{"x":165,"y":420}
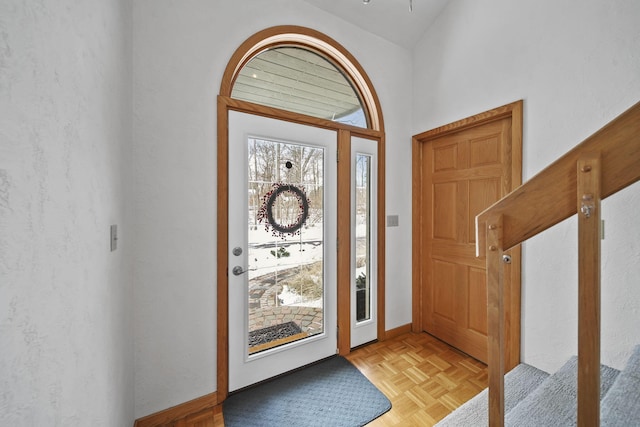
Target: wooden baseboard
{"x":210,"y":401}
{"x":392,"y":333}
{"x":177,"y":412}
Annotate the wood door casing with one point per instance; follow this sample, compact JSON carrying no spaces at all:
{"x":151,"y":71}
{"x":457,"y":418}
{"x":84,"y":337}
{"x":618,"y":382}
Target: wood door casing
{"x":303,"y":37}
{"x":460,"y":173}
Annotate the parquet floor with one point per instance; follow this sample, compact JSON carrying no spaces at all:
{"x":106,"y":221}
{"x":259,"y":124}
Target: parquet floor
{"x":423,"y":377}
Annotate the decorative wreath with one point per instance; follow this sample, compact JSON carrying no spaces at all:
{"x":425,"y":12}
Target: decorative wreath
{"x":265,"y":213}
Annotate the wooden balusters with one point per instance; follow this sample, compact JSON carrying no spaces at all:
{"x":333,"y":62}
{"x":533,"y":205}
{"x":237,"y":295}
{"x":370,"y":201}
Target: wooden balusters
{"x":588,"y":199}
{"x":495,"y":319}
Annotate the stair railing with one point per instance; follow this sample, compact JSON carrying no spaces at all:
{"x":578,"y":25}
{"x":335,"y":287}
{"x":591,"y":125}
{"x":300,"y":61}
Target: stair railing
{"x":603,"y":164}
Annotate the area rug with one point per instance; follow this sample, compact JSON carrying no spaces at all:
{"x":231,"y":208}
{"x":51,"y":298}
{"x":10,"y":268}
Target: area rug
{"x":329,"y":393}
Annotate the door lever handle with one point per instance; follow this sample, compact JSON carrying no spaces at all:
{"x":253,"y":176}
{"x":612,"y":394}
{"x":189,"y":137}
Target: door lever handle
{"x":237,"y":270}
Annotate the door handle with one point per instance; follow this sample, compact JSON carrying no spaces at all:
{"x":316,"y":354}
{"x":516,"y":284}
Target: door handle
{"x":237,"y":270}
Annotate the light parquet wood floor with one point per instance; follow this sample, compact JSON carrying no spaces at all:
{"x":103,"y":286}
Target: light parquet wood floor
{"x":424,"y":378}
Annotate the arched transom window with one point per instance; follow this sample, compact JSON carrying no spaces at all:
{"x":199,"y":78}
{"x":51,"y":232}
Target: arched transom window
{"x":303,"y":72}
{"x":299,"y":80}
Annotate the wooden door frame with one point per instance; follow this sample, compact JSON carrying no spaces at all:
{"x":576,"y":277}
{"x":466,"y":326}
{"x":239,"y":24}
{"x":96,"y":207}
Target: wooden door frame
{"x":344,"y":134}
{"x":514,"y":112}
{"x":313,"y":40}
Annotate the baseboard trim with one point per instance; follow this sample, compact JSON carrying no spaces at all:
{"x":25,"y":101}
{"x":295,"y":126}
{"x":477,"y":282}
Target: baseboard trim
{"x":210,"y":401}
{"x":392,"y":333}
{"x":182,"y":410}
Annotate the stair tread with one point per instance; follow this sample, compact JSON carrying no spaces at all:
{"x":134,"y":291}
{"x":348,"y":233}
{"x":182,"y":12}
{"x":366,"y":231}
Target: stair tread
{"x":621,"y":406}
{"x":520,"y":381}
{"x":554,"y":402}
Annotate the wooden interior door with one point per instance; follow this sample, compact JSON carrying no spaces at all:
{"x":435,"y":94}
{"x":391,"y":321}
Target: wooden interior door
{"x":461,"y":173}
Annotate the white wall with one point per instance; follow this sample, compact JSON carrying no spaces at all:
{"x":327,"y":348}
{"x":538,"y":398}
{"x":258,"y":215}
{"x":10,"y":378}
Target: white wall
{"x":66,"y":349}
{"x":180,"y":52}
{"x":66,"y":175}
{"x":576,"y":64}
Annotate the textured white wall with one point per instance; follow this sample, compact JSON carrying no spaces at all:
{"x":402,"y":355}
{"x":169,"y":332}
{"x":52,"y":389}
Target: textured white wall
{"x":180,"y":53}
{"x":576,"y":64}
{"x":66,"y":349}
{"x":65,"y":174}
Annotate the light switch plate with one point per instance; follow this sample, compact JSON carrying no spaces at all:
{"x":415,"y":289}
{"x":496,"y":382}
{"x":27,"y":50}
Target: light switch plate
{"x":392,"y":220}
{"x":114,"y":237}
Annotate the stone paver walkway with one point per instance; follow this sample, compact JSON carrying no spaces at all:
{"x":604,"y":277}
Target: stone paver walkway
{"x":265,"y":310}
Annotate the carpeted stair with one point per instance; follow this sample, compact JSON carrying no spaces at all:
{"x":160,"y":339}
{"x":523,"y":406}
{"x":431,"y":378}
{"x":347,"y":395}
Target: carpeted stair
{"x":518,"y":383}
{"x":621,"y":406}
{"x":554,"y":403}
{"x":535,"y":398}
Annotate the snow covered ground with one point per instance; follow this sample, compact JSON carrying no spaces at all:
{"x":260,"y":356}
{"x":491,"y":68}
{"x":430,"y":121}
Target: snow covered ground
{"x":303,"y":249}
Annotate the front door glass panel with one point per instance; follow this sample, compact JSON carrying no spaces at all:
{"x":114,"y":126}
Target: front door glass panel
{"x":286,"y":283}
{"x":362,"y":236}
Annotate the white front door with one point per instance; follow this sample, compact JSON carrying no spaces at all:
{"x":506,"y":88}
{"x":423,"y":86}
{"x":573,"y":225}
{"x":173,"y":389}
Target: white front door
{"x":282,"y":247}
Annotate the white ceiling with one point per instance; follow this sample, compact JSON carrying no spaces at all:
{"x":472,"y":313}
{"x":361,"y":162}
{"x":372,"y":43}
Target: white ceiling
{"x":389,"y":19}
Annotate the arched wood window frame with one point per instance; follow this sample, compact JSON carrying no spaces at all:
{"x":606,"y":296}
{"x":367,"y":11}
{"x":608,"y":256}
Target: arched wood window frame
{"x":334,"y":52}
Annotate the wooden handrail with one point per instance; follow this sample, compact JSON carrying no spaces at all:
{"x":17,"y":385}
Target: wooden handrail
{"x":618,"y":143}
{"x":600,"y":166}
